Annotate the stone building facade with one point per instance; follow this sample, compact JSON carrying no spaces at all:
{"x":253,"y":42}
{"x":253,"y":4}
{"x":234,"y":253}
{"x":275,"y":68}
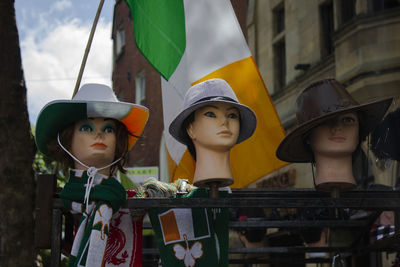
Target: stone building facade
{"x":298,"y":42}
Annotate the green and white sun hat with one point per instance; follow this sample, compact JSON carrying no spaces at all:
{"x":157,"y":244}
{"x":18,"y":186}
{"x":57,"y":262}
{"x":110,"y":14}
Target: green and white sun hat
{"x":91,"y":101}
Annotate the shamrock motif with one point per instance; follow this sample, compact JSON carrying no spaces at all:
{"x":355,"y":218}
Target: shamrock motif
{"x":188,"y":255}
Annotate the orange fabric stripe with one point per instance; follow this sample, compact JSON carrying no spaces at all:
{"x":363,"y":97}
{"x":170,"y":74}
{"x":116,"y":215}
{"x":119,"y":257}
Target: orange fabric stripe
{"x":255,"y":157}
{"x":135,"y":122}
{"x":171,"y":165}
{"x":185,"y":168}
{"x":169,"y":227}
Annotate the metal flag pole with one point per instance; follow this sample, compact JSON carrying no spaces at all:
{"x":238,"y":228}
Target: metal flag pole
{"x":96,"y":19}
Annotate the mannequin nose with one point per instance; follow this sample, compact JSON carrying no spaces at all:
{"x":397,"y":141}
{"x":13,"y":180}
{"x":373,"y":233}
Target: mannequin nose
{"x":336,"y":126}
{"x":224,"y":121}
{"x":99,"y":134}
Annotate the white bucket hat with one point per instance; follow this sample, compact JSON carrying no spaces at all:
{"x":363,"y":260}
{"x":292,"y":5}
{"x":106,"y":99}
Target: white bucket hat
{"x":211,"y":91}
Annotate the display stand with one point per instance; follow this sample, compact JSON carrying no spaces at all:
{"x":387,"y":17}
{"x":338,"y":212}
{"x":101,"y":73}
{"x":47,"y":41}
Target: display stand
{"x":373,"y":201}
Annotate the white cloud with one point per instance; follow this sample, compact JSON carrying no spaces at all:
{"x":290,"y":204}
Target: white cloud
{"x":51,"y":63}
{"x":61,"y":5}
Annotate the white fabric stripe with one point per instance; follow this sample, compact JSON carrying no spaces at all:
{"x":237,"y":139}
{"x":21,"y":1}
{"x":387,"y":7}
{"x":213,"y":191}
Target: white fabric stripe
{"x":116,"y":110}
{"x":214,"y":38}
{"x":78,"y":237}
{"x":98,"y":239}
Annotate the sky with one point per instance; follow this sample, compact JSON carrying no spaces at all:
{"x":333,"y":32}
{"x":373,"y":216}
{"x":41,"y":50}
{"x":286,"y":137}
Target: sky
{"x":53,"y":35}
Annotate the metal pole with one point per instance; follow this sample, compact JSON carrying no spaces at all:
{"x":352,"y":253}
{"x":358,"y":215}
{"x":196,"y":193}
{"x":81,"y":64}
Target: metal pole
{"x":78,"y":81}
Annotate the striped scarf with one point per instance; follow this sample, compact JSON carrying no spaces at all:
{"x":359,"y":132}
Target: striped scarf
{"x":107,"y":235}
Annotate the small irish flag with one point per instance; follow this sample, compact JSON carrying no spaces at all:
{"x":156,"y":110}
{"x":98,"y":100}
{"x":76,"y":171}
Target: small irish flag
{"x":189,"y":41}
{"x":192,"y":237}
{"x":180,"y":224}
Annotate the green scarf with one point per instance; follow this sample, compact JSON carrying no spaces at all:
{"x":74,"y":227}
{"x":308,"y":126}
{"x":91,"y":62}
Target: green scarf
{"x":106,"y":197}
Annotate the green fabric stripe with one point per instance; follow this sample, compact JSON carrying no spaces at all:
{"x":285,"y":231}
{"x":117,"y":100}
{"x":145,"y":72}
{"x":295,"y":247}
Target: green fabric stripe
{"x":109,"y":191}
{"x":200,"y":225}
{"x":55,"y":118}
{"x":159,"y":28}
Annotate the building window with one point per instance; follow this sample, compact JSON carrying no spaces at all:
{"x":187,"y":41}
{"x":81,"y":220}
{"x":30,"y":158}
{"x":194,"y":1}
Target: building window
{"x":379,"y":5}
{"x":140,"y":88}
{"x":279,"y":19}
{"x":119,"y":42}
{"x":278,"y":14}
{"x":326,"y":16}
{"x":280,"y":66}
{"x":347,"y":10}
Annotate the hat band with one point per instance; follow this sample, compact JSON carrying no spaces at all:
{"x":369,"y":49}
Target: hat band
{"x":216,"y":98}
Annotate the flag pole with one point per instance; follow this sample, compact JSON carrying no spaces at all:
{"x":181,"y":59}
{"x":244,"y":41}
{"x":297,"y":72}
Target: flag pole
{"x":96,"y":19}
{"x":89,"y":43}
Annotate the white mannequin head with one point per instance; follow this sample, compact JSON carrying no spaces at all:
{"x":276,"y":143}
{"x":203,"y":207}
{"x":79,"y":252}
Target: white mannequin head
{"x":215,"y":127}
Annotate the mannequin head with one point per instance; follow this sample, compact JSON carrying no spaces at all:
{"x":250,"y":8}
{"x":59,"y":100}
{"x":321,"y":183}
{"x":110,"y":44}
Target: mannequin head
{"x":211,"y":123}
{"x":331,"y":124}
{"x":324,"y":102}
{"x":214,"y":95}
{"x":336,"y":137}
{"x":215,"y":127}
{"x":79,"y":137}
{"x":93,"y":142}
{"x":94,"y":126}
{"x":333,"y":143}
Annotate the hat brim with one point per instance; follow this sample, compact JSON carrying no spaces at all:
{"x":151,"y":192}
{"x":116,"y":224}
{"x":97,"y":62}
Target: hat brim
{"x":59,"y":114}
{"x":293,"y":147}
{"x":248,"y":120}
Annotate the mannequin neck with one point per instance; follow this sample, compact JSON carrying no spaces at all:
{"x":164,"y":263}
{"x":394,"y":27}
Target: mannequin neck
{"x":212,"y":164}
{"x":334,"y":170}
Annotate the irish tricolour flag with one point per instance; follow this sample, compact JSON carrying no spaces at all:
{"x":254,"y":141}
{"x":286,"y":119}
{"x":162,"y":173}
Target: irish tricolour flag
{"x":189,"y":41}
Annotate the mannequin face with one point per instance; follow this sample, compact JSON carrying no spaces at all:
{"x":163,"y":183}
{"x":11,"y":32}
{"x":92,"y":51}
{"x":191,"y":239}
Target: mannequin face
{"x":215,"y":126}
{"x":93,"y":141}
{"x":337,"y":137}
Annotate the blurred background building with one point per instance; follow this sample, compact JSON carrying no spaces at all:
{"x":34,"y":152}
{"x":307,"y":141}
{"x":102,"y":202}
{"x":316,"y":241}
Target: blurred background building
{"x":355,"y":41}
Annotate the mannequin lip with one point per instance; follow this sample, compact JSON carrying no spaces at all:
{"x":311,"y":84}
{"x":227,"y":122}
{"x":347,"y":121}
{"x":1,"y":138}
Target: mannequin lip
{"x":99,"y":145}
{"x":337,"y":138}
{"x":225,"y":132}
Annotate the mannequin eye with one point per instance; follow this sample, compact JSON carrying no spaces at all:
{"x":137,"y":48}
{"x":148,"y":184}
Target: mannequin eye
{"x":348,"y":120}
{"x":210,"y":114}
{"x":86,"y":127}
{"x":108,"y":128}
{"x":233,"y":116}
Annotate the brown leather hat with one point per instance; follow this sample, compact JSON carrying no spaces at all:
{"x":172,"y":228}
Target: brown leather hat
{"x":320,"y":102}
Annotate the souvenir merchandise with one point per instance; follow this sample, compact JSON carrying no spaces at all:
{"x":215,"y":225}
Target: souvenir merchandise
{"x":192,"y":237}
{"x":92,"y":134}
